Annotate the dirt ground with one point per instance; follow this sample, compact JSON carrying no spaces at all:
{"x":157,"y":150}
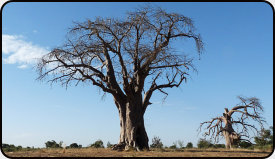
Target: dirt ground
{"x":101,"y":152}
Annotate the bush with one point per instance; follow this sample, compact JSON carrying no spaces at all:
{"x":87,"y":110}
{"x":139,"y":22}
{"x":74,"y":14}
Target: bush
{"x":11,"y":148}
{"x":174,"y":146}
{"x":156,"y":143}
{"x":109,"y":145}
{"x":52,"y":144}
{"x":74,"y":145}
{"x":204,"y":144}
{"x":219,"y":146}
{"x":264,"y":148}
{"x":98,"y":144}
{"x":265,"y":137}
{"x":189,"y":145}
{"x":245,"y":144}
{"x":180,"y":143}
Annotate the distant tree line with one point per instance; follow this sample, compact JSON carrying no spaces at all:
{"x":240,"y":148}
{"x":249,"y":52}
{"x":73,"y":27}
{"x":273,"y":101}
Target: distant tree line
{"x":263,"y":141}
{"x":13,"y":148}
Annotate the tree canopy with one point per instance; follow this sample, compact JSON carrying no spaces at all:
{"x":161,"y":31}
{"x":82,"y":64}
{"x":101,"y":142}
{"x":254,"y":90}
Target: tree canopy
{"x":129,"y":58}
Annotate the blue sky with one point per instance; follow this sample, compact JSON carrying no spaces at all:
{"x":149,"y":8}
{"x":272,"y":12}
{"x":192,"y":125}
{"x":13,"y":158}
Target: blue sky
{"x":238,"y":60}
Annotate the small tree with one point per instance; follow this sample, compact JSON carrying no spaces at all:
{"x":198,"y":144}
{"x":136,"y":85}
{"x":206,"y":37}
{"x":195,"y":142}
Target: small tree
{"x":189,"y":145}
{"x":174,"y":146}
{"x":74,"y":145}
{"x":156,"y":143}
{"x":98,"y":144}
{"x":11,"y":148}
{"x":248,"y":110}
{"x":245,"y":144}
{"x":19,"y":147}
{"x":109,"y":145}
{"x":203,"y":143}
{"x":51,"y":144}
{"x":265,"y":137}
{"x":180,"y":143}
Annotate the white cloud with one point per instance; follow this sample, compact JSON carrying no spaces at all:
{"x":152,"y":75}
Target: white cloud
{"x":23,"y":66}
{"x":20,"y":52}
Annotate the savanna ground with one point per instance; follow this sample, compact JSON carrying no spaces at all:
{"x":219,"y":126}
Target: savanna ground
{"x":106,"y":152}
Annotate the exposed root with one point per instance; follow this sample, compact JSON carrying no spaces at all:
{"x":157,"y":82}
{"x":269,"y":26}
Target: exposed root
{"x":119,"y":147}
{"x":124,"y":147}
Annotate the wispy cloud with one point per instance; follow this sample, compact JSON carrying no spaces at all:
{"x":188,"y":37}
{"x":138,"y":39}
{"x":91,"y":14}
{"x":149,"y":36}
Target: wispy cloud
{"x":19,"y":51}
{"x":161,"y":103}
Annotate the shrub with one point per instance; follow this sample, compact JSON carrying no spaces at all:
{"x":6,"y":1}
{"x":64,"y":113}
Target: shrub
{"x":245,"y":144}
{"x":5,"y":145}
{"x":18,"y":148}
{"x":174,"y":146}
{"x":156,"y":143}
{"x":52,"y":144}
{"x":189,"y":145}
{"x":219,"y":146}
{"x":74,"y":145}
{"x":98,"y":144}
{"x":11,"y":148}
{"x":180,"y":143}
{"x":109,"y":145}
{"x":265,"y":137}
{"x":203,"y":143}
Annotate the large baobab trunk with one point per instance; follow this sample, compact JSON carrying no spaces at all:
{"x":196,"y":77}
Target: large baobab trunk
{"x":231,"y":137}
{"x":132,"y":129}
{"x":226,"y":135}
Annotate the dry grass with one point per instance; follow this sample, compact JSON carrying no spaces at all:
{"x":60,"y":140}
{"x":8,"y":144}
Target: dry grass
{"x":101,"y":152}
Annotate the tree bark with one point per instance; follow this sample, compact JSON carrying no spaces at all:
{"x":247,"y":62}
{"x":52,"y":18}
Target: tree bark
{"x":132,"y":129}
{"x":228,"y":143}
{"x":231,"y":137}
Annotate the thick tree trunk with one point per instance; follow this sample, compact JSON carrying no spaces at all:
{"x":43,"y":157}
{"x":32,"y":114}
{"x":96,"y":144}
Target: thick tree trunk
{"x":132,"y":129}
{"x":231,"y":137}
{"x":228,"y":143}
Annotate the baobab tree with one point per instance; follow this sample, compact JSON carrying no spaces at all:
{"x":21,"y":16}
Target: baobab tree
{"x":129,"y":58}
{"x":247,"y":115}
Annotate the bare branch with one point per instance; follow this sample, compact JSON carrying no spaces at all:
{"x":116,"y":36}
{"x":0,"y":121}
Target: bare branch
{"x":249,"y":109}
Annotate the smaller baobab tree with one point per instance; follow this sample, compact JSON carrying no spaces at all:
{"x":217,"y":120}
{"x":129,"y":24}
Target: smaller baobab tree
{"x":247,"y":115}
